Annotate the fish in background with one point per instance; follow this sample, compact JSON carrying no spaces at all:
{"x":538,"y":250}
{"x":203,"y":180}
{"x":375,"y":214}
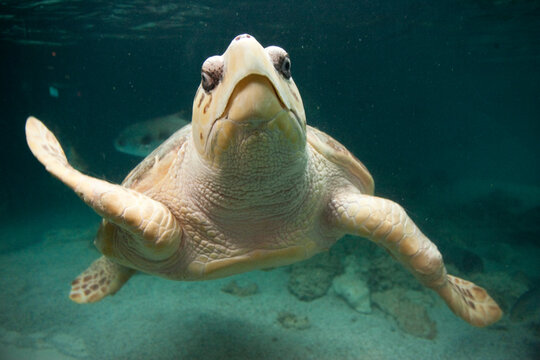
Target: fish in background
{"x":141,"y":138}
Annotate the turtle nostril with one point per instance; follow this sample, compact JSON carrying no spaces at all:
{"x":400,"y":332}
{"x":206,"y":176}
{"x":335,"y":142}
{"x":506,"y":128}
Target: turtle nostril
{"x":240,"y":37}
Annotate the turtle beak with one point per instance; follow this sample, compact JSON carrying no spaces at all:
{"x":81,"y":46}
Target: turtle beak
{"x":254,"y":100}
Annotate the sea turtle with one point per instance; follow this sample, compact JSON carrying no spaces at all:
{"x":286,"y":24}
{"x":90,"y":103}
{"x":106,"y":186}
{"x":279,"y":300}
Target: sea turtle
{"x":247,"y":185}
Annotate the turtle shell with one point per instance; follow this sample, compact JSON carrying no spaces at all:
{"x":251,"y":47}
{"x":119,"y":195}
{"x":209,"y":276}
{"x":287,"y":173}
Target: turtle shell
{"x":156,"y":165}
{"x":335,"y":152}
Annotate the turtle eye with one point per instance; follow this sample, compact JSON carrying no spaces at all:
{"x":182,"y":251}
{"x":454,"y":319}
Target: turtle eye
{"x":211,"y":73}
{"x":285,"y":67}
{"x":281,"y":60}
{"x":207,"y":82}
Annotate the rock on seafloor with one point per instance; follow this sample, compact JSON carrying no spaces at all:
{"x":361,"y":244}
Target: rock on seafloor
{"x":312,"y":278}
{"x":233,"y":288}
{"x":353,"y":288}
{"x":408,"y":310}
{"x":292,"y":321}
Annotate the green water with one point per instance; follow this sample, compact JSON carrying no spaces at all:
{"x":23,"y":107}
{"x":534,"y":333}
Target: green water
{"x":440,"y":100}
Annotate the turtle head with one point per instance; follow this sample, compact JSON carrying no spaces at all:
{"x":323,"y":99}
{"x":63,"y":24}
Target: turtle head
{"x":247,"y":94}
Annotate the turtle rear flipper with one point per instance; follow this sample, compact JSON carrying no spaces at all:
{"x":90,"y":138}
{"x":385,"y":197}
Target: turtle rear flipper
{"x":102,"y":278}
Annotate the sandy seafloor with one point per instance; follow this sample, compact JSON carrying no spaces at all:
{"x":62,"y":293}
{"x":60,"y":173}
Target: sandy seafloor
{"x":153,"y":318}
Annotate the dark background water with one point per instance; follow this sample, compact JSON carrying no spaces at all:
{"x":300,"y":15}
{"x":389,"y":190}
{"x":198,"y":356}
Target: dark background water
{"x":426,"y":93}
{"x":423,"y":92}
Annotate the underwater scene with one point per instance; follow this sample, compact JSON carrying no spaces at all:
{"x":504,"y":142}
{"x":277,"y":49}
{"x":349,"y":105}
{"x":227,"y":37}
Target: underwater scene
{"x":270,"y":180}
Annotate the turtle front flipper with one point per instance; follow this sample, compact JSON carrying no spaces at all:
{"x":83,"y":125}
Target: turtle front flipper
{"x":155,"y":231}
{"x":102,"y":278}
{"x":387,"y":224}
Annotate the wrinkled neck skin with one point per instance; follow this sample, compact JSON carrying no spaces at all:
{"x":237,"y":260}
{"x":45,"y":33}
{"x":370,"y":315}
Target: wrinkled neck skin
{"x":258,"y":180}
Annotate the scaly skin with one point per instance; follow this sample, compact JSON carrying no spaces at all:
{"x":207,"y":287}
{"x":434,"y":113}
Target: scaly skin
{"x":386,"y":223}
{"x":247,"y":185}
{"x":104,"y":277}
{"x":156,"y":231}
